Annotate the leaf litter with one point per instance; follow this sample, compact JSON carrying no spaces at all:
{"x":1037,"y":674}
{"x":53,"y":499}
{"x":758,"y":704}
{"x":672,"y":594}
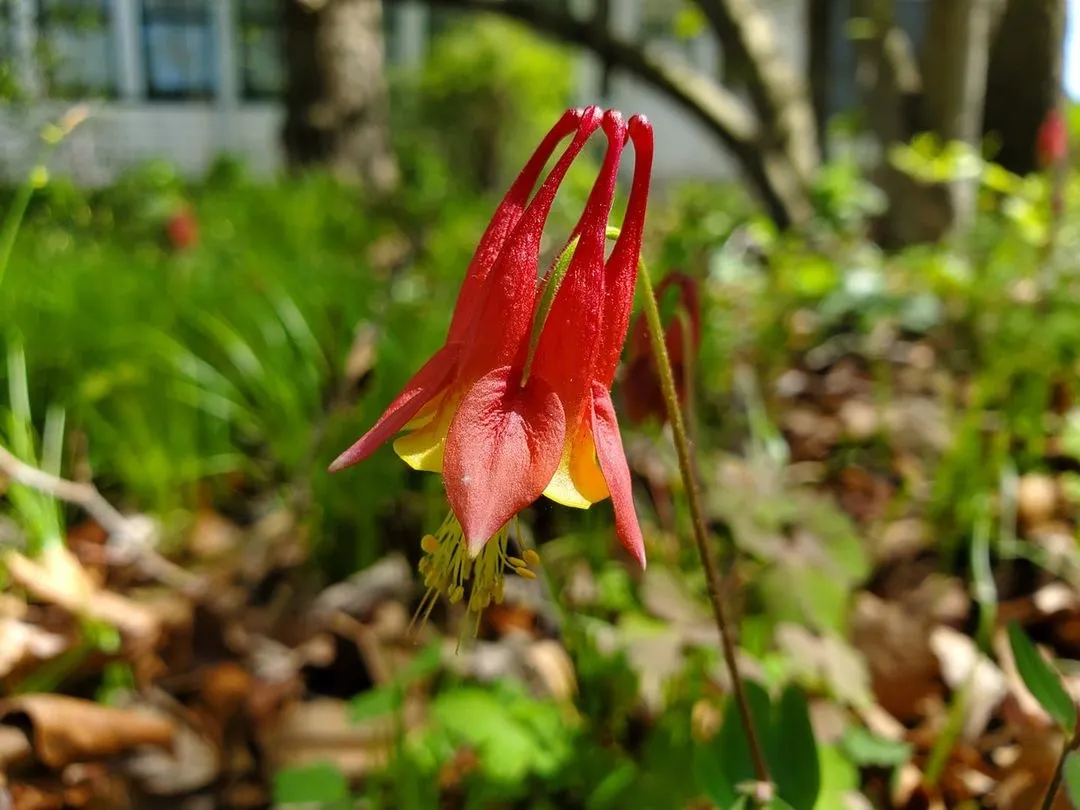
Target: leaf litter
{"x":218,"y":669}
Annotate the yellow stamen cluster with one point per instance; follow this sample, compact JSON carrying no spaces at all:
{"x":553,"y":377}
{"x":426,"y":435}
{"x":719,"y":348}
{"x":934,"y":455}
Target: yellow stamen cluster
{"x":447,"y":566}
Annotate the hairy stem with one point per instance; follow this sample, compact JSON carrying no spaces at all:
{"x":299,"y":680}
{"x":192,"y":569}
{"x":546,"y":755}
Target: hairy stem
{"x":693,"y":495}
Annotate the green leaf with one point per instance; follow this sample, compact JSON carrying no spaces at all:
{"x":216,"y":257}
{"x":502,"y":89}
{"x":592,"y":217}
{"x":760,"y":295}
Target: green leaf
{"x":423,"y":664}
{"x":374,"y":703}
{"x":689,"y":22}
{"x":387,"y":698}
{"x":711,"y":778}
{"x":611,"y":786}
{"x":787,"y":738}
{"x":1041,"y":679}
{"x":321,"y":782}
{"x":867,"y":749}
{"x":796,"y":768}
{"x":1072,"y":778}
{"x":797,"y":592}
{"x":860,"y":28}
{"x":512,"y":736}
{"x":730,"y":746}
{"x":839,"y":778}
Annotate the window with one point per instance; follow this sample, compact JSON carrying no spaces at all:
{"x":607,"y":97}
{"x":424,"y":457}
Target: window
{"x":7,"y":31}
{"x":75,"y":48}
{"x":391,"y":25}
{"x":262,"y":75}
{"x":8,"y":81}
{"x":180,"y":46}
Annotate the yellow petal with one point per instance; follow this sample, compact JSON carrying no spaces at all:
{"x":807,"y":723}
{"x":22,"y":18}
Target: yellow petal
{"x":425,"y":415}
{"x":423,"y":448}
{"x":579,"y":482}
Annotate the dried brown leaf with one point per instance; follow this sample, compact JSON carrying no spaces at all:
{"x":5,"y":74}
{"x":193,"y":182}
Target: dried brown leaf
{"x":962,"y":665}
{"x":26,"y":796}
{"x":552,"y":669}
{"x":58,"y":578}
{"x":64,"y":730}
{"x":192,"y":763}
{"x":895,"y":643}
{"x":212,"y":535}
{"x":323,"y":730}
{"x":21,"y":642}
{"x":1037,"y":499}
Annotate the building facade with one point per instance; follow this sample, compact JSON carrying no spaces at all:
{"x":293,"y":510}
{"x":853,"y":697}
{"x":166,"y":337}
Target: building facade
{"x":184,"y":80}
{"x":189,"y":80}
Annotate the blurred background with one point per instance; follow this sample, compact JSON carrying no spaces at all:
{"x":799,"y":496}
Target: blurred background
{"x":232,"y":229}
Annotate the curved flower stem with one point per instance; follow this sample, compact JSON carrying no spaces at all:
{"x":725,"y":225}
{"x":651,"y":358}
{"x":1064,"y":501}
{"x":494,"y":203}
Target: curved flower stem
{"x":693,"y":495}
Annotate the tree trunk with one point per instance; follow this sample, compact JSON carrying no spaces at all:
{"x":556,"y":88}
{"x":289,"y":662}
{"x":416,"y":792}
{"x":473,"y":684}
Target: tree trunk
{"x":819,"y":14}
{"x":956,"y":59}
{"x":337,"y":110}
{"x":1025,"y":78}
{"x":780,"y":94}
{"x":887,"y":74}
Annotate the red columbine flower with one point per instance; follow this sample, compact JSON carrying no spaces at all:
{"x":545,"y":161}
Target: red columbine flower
{"x":1052,"y":141}
{"x":516,"y":403}
{"x":182,"y":229}
{"x":682,"y":337}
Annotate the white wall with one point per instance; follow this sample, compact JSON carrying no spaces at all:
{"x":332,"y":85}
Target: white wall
{"x":118,"y":135}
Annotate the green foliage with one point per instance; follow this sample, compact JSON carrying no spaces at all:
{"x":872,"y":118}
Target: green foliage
{"x":1072,"y":777}
{"x":322,"y":784}
{"x":181,"y":366}
{"x":388,"y":698}
{"x":499,"y":85}
{"x":217,"y":371}
{"x":724,"y":765}
{"x":38,"y":513}
{"x":1041,"y":679}
{"x":865,"y":749}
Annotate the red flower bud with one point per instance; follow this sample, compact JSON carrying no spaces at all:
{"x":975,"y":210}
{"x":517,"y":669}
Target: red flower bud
{"x":1052,"y":142}
{"x":641,"y":381}
{"x":182,"y":229}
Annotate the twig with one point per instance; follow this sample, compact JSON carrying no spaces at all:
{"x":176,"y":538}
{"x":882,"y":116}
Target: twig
{"x":85,"y":496}
{"x":693,"y":495}
{"x":132,"y":535}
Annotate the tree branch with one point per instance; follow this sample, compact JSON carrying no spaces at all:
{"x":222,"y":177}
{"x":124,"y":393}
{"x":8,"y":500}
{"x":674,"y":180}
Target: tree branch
{"x":721,"y":111}
{"x":779,"y":92}
{"x":780,"y":184}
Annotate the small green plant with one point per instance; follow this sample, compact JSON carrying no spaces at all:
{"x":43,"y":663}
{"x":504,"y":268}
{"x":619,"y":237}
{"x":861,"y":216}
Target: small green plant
{"x":1045,"y":685}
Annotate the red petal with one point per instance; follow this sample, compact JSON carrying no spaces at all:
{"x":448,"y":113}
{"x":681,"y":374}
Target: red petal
{"x":621,"y":271}
{"x":506,"y":218}
{"x":572,"y":333}
{"x":503,"y":448}
{"x":432,"y":377}
{"x":609,"y":452}
{"x":503,"y":314}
